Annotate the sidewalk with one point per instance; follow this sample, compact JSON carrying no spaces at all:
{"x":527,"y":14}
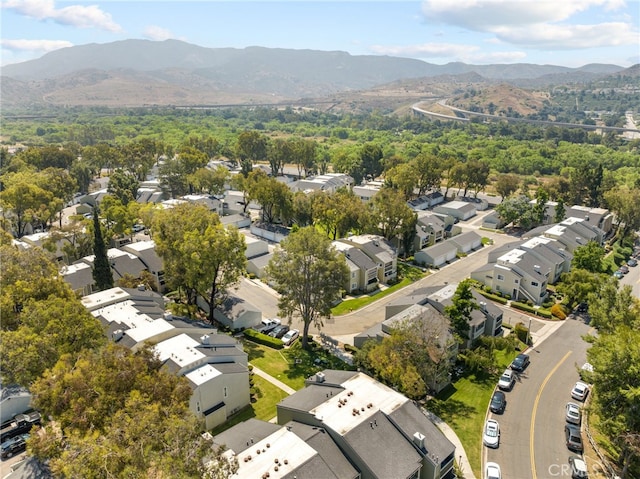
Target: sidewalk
{"x":461,"y":459}
{"x":274,"y":381}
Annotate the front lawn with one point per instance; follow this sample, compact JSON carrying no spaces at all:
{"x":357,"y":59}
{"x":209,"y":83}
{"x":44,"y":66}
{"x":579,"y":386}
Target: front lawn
{"x":292,"y":365}
{"x":463,"y":406}
{"x":409,"y":274}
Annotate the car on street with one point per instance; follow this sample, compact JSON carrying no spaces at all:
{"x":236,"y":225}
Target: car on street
{"x":290,"y":337}
{"x":623,"y":269}
{"x":498,"y":402}
{"x":573,"y":437}
{"x":492,"y":471}
{"x":279,"y":331}
{"x":507,"y":380}
{"x":618,"y":274}
{"x":13,"y":446}
{"x":520,"y":363}
{"x":491,"y":435}
{"x":580,"y":391}
{"x":632,"y":262}
{"x":573,"y":414}
{"x":578,"y":468}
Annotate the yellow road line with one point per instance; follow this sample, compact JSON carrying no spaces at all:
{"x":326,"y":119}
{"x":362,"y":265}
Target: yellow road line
{"x":535,"y":410}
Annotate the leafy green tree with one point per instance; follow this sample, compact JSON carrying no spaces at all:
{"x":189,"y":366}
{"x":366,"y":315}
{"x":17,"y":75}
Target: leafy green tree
{"x":102,"y":275}
{"x":460,"y":309}
{"x":506,"y":184}
{"x":624,"y":201}
{"x":588,"y":257}
{"x":615,"y":356}
{"x":390,"y":216}
{"x":338,"y":213}
{"x":430,"y":170}
{"x":560,"y":213}
{"x":251,"y":147}
{"x":540,"y":206}
{"x":304,"y":152}
{"x":310,"y":276}
{"x":403,"y":178}
{"x":275,"y":198}
{"x":517,"y":211}
{"x":199,"y":253}
{"x":123,"y":185}
{"x":346,"y":160}
{"x":23,"y":196}
{"x":302,"y":208}
{"x":210,"y":181}
{"x":48,"y":329}
{"x":371,"y":160}
{"x":578,"y":284}
{"x":62,"y":185}
{"x":611,"y":307}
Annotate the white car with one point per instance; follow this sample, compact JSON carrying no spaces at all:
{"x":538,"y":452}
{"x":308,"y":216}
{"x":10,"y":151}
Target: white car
{"x":580,"y":391}
{"x":290,"y":337}
{"x":573,"y":414}
{"x":492,"y":471}
{"x":578,"y":468}
{"x":491,"y":436}
{"x":507,"y":380}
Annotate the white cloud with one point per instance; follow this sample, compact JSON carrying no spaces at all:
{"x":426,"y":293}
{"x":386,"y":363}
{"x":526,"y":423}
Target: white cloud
{"x":90,"y":16}
{"x":569,"y":37}
{"x":153,"y":32}
{"x":484,"y":15}
{"x":450,"y":52}
{"x":34,"y":45}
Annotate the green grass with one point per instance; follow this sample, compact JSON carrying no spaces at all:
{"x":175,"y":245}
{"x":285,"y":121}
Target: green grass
{"x":293,"y":365}
{"x":264,"y":407}
{"x":463,"y":406}
{"x":409,"y":274}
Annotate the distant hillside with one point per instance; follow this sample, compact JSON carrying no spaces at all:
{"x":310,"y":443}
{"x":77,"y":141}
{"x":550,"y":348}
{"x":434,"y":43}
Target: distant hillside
{"x":142,"y":72}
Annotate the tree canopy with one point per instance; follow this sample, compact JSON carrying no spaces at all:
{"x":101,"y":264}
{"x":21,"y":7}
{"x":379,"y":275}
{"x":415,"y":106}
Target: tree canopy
{"x":310,"y":276}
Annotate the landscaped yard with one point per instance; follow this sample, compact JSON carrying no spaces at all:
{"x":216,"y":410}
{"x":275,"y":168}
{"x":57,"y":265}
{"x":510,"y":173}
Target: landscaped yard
{"x":292,"y":365}
{"x":463,"y":406}
{"x":409,"y":274}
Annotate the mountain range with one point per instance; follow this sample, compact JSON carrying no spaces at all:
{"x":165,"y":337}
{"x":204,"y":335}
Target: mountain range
{"x":172,"y":72}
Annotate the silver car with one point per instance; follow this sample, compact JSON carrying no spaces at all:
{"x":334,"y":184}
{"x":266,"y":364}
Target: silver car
{"x":491,"y":435}
{"x":573,"y":414}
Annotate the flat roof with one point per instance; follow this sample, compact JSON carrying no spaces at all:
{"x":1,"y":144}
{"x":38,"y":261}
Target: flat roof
{"x":202,"y":374}
{"x":512,"y":257}
{"x":361,"y":399}
{"x":181,"y":349}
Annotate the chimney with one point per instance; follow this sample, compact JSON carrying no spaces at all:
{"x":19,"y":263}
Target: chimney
{"x":117,"y":335}
{"x":319,"y":377}
{"x":142,"y":287}
{"x":204,"y":339}
{"x":536,"y":268}
{"x":418,"y":440}
{"x":483,"y":306}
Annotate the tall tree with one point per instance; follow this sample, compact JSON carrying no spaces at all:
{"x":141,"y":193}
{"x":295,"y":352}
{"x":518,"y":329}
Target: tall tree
{"x":310,"y":276}
{"x":506,"y":184}
{"x":390,"y":216}
{"x":371,"y":160}
{"x":588,"y":257}
{"x":460,"y":309}
{"x":102,"y":275}
{"x":559,"y":213}
{"x":251,"y":147}
{"x":123,"y":185}
{"x":624,"y":201}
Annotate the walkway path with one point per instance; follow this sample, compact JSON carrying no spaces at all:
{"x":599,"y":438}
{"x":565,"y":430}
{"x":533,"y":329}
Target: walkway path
{"x":274,"y":381}
{"x":463,"y":462}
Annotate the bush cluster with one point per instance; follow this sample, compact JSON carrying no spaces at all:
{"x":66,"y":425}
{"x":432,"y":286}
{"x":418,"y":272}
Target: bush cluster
{"x":256,"y":337}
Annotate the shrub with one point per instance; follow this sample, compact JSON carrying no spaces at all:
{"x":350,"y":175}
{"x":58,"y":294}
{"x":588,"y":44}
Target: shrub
{"x":256,"y":337}
{"x":558,"y":311}
{"x":493,"y":297}
{"x":521,"y":332}
{"x":350,"y":349}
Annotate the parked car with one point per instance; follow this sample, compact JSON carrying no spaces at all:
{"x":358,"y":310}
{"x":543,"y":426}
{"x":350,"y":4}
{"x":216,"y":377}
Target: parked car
{"x":624,"y":269}
{"x":498,"y":402}
{"x":13,"y":446}
{"x":492,"y":471}
{"x":580,"y":391}
{"x":520,"y":363}
{"x":618,"y":274}
{"x":290,"y":337}
{"x":573,"y":414}
{"x":632,"y":262}
{"x":491,"y":435}
{"x":578,"y":468}
{"x":279,"y":331}
{"x":267,"y":325}
{"x":507,"y":380}
{"x":573,"y":437}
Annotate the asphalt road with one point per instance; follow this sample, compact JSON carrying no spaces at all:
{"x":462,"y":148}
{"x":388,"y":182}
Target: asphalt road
{"x":632,"y":278}
{"x":532,"y":444}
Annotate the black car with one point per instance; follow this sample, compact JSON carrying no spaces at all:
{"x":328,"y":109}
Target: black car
{"x":573,"y":437}
{"x":13,"y":446}
{"x":498,"y":402}
{"x":520,"y":363}
{"x":279,"y":331}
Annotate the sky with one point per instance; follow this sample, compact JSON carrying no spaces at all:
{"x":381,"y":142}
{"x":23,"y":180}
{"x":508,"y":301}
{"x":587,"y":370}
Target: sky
{"x":569,"y":33}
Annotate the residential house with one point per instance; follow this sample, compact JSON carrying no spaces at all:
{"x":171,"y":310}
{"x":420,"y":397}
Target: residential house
{"x":430,"y":229}
{"x":291,"y":450}
{"x":210,"y":201}
{"x":571,"y":232}
{"x":363,"y":270}
{"x":329,"y":182}
{"x":153,"y":263}
{"x":460,"y":210}
{"x":480,"y":204}
{"x":269,"y":232}
{"x":79,"y":276}
{"x":380,"y":251}
{"x":239,"y":220}
{"x":257,"y":265}
{"x":492,"y":221}
{"x":601,"y":218}
{"x":235,"y":313}
{"x":214,"y":364}
{"x":367,"y":191}
{"x":383,"y":434}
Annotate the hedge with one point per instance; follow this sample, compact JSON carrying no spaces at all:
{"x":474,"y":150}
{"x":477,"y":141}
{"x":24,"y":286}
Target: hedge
{"x":530,"y":309}
{"x":493,"y":297}
{"x":256,"y":337}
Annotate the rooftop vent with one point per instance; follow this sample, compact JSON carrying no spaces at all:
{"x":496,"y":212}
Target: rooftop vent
{"x":418,"y":440}
{"x":117,"y":335}
{"x":204,"y":339}
{"x":320,"y":377}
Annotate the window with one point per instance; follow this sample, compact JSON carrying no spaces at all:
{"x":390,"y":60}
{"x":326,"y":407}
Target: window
{"x":500,"y":277}
{"x":534,"y":283}
{"x":515,"y":281}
